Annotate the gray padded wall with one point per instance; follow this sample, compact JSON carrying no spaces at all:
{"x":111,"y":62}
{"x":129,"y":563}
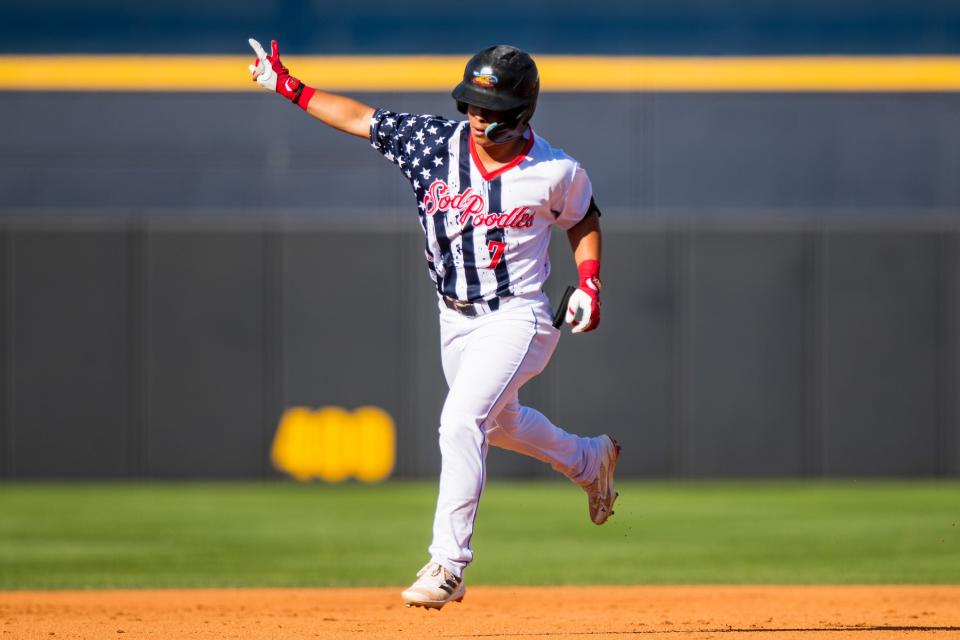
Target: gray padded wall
{"x":206,"y":370}
{"x":647,"y":154}
{"x":68,"y":354}
{"x":950,"y":433}
{"x":194,"y":256}
{"x":172,"y":350}
{"x":6,"y":457}
{"x":746,"y":365}
{"x":736,"y":152}
{"x":881,"y":396}
{"x":340,"y":299}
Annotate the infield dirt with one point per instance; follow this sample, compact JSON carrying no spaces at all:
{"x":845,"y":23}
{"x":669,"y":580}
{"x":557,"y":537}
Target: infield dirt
{"x":688,"y":612}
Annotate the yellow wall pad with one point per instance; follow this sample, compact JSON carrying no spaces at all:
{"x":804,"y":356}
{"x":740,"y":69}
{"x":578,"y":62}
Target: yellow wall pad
{"x":441,"y":73}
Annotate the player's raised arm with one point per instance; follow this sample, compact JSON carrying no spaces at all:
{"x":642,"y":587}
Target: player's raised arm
{"x":339,"y":112}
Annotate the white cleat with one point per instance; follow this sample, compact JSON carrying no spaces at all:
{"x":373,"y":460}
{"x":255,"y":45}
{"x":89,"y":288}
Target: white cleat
{"x":435,"y":587}
{"x":601,"y":493}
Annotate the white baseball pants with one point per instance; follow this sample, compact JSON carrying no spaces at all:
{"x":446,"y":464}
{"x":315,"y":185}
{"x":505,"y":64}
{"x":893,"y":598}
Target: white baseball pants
{"x":486,"y":359}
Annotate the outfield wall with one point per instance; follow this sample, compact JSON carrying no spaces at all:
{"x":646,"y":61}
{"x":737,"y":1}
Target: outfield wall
{"x":702,"y":155}
{"x":782,"y":283}
{"x":171,"y":349}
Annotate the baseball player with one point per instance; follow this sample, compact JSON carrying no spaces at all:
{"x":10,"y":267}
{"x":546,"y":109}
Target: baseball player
{"x":488,"y":191}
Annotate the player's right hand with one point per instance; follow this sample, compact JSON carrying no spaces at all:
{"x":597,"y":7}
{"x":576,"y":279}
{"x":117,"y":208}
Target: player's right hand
{"x":269,"y":72}
{"x":262,"y":70}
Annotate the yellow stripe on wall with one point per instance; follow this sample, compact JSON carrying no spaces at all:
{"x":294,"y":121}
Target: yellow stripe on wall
{"x":441,"y":73}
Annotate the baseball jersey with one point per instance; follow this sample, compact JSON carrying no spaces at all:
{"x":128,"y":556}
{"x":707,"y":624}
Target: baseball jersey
{"x":487,"y":232}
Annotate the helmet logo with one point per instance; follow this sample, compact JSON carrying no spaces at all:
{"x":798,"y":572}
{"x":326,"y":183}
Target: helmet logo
{"x":484,"y":77}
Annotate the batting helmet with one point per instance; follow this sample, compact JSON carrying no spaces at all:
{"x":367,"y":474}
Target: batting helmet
{"x":501,"y":78}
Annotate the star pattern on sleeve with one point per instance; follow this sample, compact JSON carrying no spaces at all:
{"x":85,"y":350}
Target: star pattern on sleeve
{"x":416,"y":144}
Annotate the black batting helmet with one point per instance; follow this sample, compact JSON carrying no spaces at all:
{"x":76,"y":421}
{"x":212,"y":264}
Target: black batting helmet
{"x":501,"y":78}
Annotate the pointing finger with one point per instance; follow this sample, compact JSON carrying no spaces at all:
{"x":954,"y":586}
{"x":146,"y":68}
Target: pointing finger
{"x":274,"y":49}
{"x":258,"y":49}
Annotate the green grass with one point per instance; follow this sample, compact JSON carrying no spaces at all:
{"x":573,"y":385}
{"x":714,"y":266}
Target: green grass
{"x":81,"y":535}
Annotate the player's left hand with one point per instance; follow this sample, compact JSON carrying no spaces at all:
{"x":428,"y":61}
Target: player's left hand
{"x":585,"y":301}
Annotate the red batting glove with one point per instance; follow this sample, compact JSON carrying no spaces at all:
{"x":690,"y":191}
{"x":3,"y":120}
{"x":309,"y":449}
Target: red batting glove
{"x":269,"y":73}
{"x":586,"y":299}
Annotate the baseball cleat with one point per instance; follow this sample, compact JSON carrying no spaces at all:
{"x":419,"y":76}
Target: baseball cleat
{"x":600,"y":493}
{"x":435,"y":587}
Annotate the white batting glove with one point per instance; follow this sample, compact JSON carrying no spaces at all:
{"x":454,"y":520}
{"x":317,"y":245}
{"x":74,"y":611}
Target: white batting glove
{"x":262,"y":71}
{"x":270,"y":74}
{"x":583,"y":309}
{"x":588,"y":310}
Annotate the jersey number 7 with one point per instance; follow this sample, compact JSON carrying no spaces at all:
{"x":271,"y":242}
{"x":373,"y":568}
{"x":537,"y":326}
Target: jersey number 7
{"x":496,"y":252}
